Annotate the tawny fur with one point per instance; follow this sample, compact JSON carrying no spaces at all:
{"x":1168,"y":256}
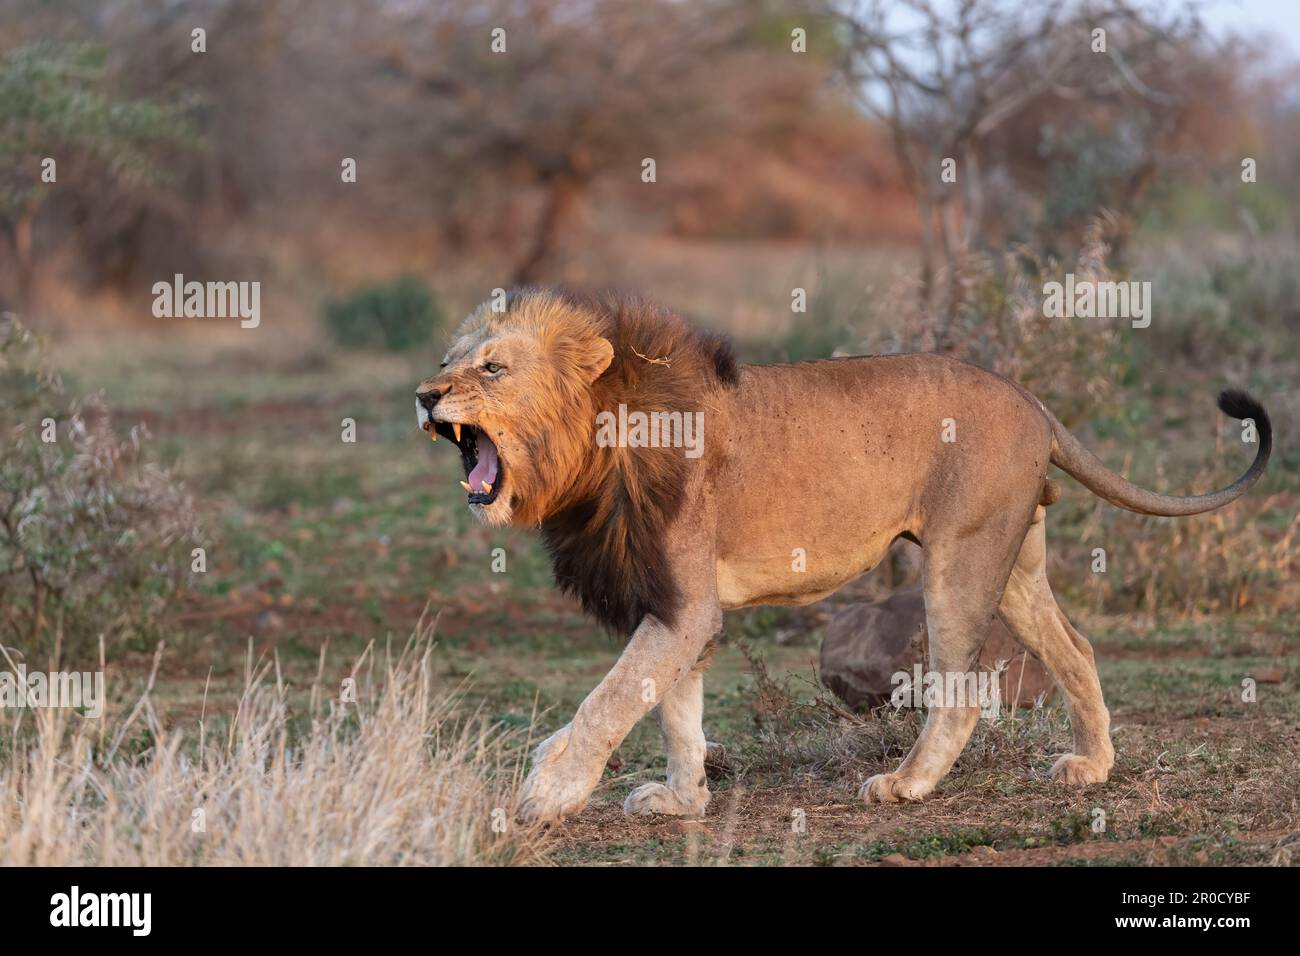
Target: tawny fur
{"x":809,"y":472}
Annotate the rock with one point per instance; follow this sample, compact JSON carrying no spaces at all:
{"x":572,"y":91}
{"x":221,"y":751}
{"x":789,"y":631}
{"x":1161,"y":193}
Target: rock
{"x":866,"y":644}
{"x":1024,"y":677}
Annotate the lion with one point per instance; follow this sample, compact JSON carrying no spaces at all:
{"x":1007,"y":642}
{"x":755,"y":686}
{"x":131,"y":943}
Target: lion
{"x":808,"y":473}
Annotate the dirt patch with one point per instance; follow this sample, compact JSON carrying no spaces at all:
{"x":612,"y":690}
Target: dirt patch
{"x":815,"y":826}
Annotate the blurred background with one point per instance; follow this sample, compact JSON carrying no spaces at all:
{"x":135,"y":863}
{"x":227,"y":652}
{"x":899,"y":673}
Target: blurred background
{"x":201,"y":488}
{"x":797,"y":202}
{"x":478,"y":169}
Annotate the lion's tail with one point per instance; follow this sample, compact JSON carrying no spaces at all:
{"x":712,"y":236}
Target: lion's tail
{"x":1071,"y":457}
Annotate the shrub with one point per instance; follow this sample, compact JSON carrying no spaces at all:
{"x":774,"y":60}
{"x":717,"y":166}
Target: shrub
{"x":1214,"y":305}
{"x":994,"y":319}
{"x":94,"y":539}
{"x":1240,"y":558}
{"x":392,"y":316}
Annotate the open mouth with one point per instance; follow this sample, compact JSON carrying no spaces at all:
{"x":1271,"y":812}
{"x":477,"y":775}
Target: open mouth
{"x":484,"y":473}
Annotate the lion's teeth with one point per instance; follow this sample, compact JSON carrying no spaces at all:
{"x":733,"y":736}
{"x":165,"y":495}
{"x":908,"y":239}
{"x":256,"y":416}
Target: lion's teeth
{"x":465,"y":485}
{"x":487,"y":489}
{"x":455,"y":430}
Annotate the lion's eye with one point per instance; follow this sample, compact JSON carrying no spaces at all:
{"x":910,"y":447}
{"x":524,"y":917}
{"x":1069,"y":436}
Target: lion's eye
{"x":491,"y":367}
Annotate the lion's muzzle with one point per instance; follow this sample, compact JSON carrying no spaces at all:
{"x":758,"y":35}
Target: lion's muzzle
{"x":484,"y":470}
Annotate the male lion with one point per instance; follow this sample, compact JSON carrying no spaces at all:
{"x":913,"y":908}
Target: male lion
{"x":808,"y":473}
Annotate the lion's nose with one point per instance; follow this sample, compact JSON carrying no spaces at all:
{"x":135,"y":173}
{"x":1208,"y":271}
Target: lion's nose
{"x":429,"y":398}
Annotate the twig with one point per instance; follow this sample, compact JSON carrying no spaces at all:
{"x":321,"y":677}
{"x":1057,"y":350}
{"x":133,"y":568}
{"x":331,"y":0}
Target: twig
{"x":653,"y":361}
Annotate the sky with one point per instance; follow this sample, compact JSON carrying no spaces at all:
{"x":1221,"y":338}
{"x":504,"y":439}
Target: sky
{"x":1277,"y":18}
{"x":1276,"y":22}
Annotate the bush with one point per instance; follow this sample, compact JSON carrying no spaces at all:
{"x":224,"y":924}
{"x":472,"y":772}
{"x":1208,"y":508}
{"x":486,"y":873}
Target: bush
{"x":990,"y":313}
{"x":393,"y":316}
{"x":1242,"y":305}
{"x":94,"y":539}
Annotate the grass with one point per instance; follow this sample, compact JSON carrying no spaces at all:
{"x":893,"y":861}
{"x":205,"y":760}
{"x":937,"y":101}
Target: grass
{"x":395,"y":778}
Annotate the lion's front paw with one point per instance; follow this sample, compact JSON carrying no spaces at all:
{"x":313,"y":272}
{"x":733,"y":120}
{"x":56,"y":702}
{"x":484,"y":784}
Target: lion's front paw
{"x":656,"y":798}
{"x":891,"y":788}
{"x":1079,"y":771}
{"x":560,"y":782}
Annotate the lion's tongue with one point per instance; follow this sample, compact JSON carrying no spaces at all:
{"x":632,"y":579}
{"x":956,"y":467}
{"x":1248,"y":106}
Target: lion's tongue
{"x":485,"y":469}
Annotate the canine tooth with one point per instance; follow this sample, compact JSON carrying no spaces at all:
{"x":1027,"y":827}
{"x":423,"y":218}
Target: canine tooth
{"x":433,"y":434}
{"x":455,"y":430}
{"x":487,"y":489}
{"x":465,"y":485}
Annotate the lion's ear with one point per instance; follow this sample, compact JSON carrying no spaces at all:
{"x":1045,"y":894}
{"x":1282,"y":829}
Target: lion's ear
{"x":596,"y":358}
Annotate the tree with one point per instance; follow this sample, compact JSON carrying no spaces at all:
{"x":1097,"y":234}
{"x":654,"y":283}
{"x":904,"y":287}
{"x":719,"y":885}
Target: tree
{"x":574,"y":92}
{"x":950,"y":80}
{"x":56,"y":104}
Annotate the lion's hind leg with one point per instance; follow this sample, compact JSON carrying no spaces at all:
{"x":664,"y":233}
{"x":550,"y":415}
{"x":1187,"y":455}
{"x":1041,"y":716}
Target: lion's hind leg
{"x":1030,"y":611}
{"x":963,"y":582}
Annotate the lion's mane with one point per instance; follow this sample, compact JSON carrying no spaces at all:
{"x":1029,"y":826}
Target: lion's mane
{"x":607,"y":537}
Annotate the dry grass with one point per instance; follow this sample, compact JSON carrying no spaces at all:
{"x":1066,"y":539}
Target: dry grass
{"x":808,"y":732}
{"x":397,"y":779}
{"x":1241,"y":557}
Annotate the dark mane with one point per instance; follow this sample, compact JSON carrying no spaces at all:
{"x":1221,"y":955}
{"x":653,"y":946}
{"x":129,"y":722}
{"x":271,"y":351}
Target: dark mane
{"x":608,"y":547}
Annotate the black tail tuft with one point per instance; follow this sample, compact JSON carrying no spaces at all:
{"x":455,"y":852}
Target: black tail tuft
{"x":1237,"y":404}
{"x":1240,"y":405}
